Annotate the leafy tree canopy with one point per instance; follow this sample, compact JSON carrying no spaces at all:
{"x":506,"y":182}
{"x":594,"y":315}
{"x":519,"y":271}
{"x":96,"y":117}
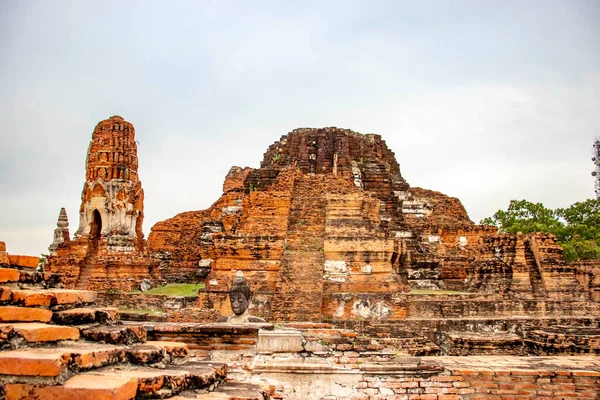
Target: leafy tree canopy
{"x":524,"y":216}
{"x":576,"y":227}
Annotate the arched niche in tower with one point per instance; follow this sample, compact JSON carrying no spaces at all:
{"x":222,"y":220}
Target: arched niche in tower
{"x":96,"y":225}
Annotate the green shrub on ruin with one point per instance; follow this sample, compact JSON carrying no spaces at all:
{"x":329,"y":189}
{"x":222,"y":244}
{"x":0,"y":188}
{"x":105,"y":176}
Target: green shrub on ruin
{"x":577,"y":227}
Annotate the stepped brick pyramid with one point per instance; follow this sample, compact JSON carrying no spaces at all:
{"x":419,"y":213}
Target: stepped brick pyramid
{"x":56,"y":344}
{"x":327,"y":229}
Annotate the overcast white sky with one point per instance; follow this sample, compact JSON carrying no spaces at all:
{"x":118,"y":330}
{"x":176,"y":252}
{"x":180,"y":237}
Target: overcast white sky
{"x":483,"y":100}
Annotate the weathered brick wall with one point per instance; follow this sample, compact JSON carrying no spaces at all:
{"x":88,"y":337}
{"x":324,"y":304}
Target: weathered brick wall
{"x":432,"y":328}
{"x":365,"y":305}
{"x":459,"y":247}
{"x":359,"y":274}
{"x":242,"y":231}
{"x":109,"y":271}
{"x":462,"y":383}
{"x":173,"y":308}
{"x":442,"y":212}
{"x":588,"y":275}
{"x":454,"y":306}
{"x":563,"y":340}
{"x":208,"y":337}
{"x":235,"y":179}
{"x":195,"y":315}
{"x":146,"y":301}
{"x":558,"y":278}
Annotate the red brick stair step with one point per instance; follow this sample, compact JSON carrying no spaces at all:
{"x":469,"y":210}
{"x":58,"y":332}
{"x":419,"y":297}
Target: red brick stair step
{"x":124,"y":382}
{"x":51,"y":297}
{"x":79,"y":387}
{"x":34,"y":362}
{"x":36,"y":280}
{"x":33,"y":332}
{"x":159,"y":382}
{"x":28,"y":262}
{"x":24,"y":314}
{"x":86,"y":315}
{"x":31,"y":298}
{"x":54,"y":361}
{"x":152,"y":381}
{"x":218,"y":367}
{"x":153,"y":352}
{"x":9,"y":275}
{"x":115,"y":334}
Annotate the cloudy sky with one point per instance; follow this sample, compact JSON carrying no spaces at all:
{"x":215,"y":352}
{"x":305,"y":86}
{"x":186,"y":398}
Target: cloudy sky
{"x":486,"y":101}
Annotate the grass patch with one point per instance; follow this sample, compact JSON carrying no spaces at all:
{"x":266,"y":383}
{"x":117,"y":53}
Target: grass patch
{"x":426,"y":291}
{"x":175,"y":289}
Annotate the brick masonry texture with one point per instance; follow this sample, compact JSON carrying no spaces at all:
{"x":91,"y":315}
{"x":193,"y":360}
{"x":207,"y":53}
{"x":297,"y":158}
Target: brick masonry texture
{"x":107,"y":250}
{"x":473,"y":383}
{"x":326,"y":229}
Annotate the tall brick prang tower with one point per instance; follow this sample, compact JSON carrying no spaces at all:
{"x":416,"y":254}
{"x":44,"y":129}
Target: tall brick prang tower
{"x":107,"y":251}
{"x":112,"y":201}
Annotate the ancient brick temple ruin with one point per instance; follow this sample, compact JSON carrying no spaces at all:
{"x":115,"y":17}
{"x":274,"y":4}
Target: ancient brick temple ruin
{"x":108,"y":244}
{"x":327,"y":229}
{"x":357,"y":269}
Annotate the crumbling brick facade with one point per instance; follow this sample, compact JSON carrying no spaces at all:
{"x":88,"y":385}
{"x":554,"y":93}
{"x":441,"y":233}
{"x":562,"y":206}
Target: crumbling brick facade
{"x":107,"y":249}
{"x":326,"y":229}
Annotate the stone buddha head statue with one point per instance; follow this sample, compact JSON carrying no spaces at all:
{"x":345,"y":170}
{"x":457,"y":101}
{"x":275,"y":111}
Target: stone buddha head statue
{"x":239,"y":294}
{"x":239,"y":298}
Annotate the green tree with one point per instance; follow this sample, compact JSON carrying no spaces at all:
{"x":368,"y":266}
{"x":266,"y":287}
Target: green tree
{"x":576,"y":227}
{"x":581,"y":236}
{"x":584,"y":216}
{"x":524,"y":216}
